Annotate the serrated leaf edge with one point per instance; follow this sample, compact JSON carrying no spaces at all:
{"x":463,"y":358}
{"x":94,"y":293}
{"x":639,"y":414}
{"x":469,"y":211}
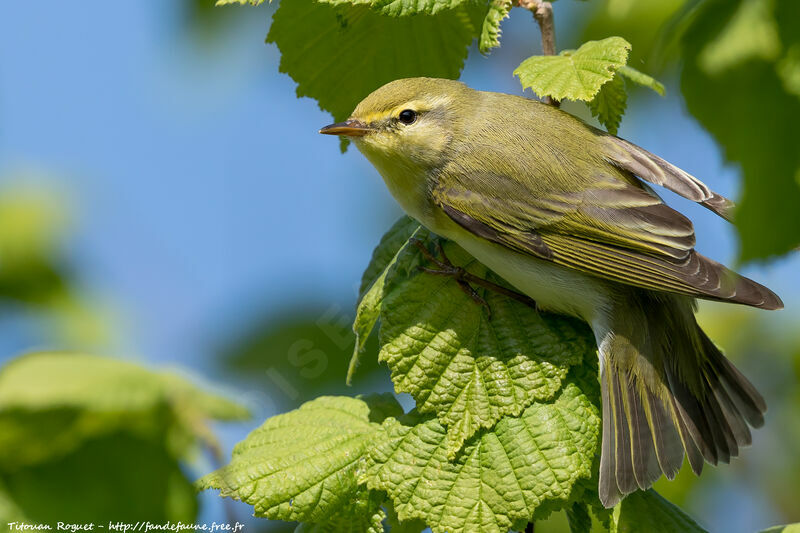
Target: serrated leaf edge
{"x":374,"y":298}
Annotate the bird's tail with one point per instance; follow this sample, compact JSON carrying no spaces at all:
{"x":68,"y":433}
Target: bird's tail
{"x":667,"y":390}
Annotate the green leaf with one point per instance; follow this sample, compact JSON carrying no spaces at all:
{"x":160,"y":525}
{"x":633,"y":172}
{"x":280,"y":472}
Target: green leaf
{"x":50,"y":403}
{"x":574,"y":75}
{"x":120,"y":476}
{"x":101,"y":384}
{"x":751,"y":33}
{"x":579,"y":519}
{"x":789,"y":528}
{"x":642,"y":79}
{"x":241,"y":2}
{"x":67,"y":419}
{"x":609,"y":104}
{"x":302,"y":465}
{"x":398,"y":8}
{"x":745,"y":105}
{"x":394,"y":8}
{"x":364,"y":515}
{"x":789,"y":70}
{"x":649,"y":27}
{"x":33,"y":222}
{"x":471,"y":370}
{"x":9,"y":510}
{"x":338,"y":54}
{"x":396,"y":526}
{"x":649,"y":511}
{"x":501,"y":476}
{"x":404,"y":254}
{"x":381,"y":406}
{"x":384,"y":254}
{"x":35,"y":274}
{"x":490,"y":31}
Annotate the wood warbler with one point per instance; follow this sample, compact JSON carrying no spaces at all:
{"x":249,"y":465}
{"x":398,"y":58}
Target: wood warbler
{"x":559,"y":210}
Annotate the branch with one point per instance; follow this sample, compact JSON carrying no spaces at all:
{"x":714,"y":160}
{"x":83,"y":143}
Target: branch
{"x":543,"y":13}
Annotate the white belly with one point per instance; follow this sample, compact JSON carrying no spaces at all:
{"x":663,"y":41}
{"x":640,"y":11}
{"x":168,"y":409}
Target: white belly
{"x":553,"y":287}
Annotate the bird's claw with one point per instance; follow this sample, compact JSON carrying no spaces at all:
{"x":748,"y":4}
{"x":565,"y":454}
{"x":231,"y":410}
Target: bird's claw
{"x":447,"y":268}
{"x":464,"y":279}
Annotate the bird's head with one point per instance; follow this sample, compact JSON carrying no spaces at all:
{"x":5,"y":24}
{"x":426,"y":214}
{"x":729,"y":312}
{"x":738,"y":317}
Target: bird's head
{"x":408,"y":122}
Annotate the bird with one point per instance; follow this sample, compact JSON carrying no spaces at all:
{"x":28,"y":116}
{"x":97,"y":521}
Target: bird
{"x":566,"y":213}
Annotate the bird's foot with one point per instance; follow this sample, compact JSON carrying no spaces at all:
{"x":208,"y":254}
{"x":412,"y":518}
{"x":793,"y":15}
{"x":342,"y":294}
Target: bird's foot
{"x":465,"y":280}
{"x":446,"y":268}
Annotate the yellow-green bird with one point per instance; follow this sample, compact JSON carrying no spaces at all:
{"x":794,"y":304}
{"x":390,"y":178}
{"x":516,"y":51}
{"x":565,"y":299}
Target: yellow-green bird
{"x":560,"y":211}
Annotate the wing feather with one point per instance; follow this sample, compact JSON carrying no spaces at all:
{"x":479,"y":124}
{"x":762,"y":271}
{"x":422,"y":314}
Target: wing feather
{"x":653,"y":169}
{"x":613,"y":230}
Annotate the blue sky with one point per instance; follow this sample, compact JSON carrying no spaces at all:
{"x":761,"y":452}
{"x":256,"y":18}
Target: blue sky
{"x":202,"y":192}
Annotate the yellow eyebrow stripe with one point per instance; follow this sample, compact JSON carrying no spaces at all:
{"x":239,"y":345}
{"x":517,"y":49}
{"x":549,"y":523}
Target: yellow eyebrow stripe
{"x":376,"y":116}
{"x":417,"y":105}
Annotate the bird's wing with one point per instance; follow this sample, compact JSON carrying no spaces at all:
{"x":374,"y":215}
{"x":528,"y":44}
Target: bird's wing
{"x":653,"y":169}
{"x":613,"y":230}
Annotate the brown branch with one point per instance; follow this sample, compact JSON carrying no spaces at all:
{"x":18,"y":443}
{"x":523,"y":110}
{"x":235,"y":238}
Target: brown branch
{"x":543,"y":14}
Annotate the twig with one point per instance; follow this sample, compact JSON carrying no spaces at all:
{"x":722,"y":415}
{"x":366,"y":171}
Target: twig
{"x":543,"y":13}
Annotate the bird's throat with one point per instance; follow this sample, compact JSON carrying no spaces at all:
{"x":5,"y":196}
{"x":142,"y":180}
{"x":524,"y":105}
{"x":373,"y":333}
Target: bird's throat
{"x":407,"y":181}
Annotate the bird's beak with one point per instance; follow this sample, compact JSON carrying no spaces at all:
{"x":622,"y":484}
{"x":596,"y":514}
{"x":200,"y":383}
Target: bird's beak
{"x":350,"y":127}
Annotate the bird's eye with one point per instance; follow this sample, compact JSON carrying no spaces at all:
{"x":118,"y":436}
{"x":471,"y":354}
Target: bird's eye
{"x":407,"y":116}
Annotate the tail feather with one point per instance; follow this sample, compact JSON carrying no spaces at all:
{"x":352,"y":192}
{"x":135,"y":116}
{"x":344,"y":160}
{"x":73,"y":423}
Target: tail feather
{"x":736,"y":423}
{"x":667,"y":392}
{"x":695,"y":421}
{"x":726,"y":445}
{"x":646,"y":468}
{"x":668,"y":443}
{"x":626,"y":480}
{"x":747,"y":399}
{"x":693,"y":454}
{"x":608,"y":489}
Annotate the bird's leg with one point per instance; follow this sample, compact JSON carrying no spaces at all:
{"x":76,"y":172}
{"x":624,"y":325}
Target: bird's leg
{"x":465,"y":279}
{"x":446,"y":268}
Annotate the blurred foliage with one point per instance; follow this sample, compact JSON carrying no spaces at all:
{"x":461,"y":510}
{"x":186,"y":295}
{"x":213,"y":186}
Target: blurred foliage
{"x":85,"y":438}
{"x":113,"y":477}
{"x":299,"y":354}
{"x":648,"y":511}
{"x":739,"y":74}
{"x":791,"y":528}
{"x":206,"y":24}
{"x":35,"y":276}
{"x":640,"y":23}
{"x":33,"y":223}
